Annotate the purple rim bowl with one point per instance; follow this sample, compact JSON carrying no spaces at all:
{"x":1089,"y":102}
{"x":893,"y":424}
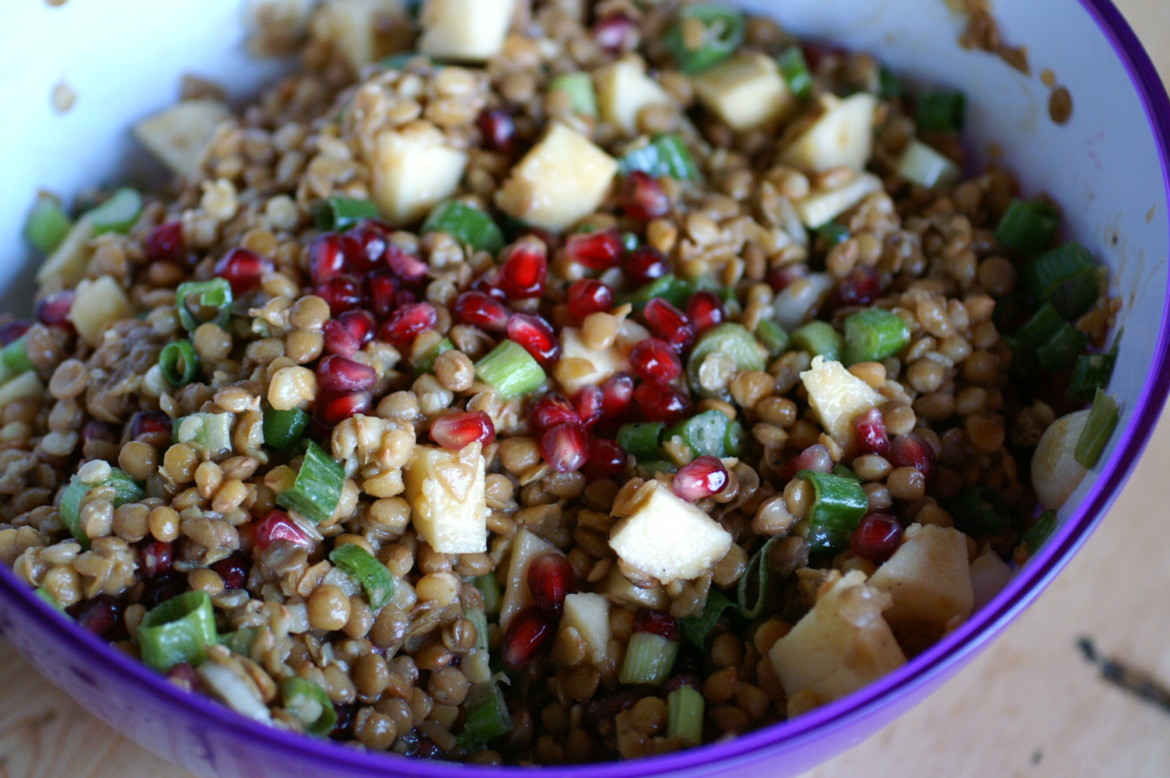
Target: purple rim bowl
{"x":211,"y":740}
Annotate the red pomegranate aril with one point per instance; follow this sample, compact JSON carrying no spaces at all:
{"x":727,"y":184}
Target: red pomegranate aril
{"x":782,"y":276}
{"x":528,"y":632}
{"x":184,"y":676}
{"x":341,"y":374}
{"x":382,"y":291}
{"x":488,"y":283}
{"x":164,"y":243}
{"x":549,"y":410}
{"x":705,"y":310}
{"x":499,"y":129}
{"x":276,"y":525}
{"x":700,"y":479}
{"x":616,"y":33}
{"x":586,"y":296}
{"x":587,"y":403}
{"x":13,"y":330}
{"x":525,"y":269}
{"x":669,"y":323}
{"x":550,"y":578}
{"x":349,"y":332}
{"x":871,"y":432}
{"x":862,"y":286}
{"x":595,"y":250}
{"x":458,"y":430}
{"x":327,"y":257}
{"x":661,"y":403}
{"x":912,"y":451}
{"x":101,"y":431}
{"x":643,"y":265}
{"x":409,"y":267}
{"x":565,"y":447}
{"x":332,"y":408}
{"x":407,"y":322}
{"x":365,"y":245}
{"x":233,"y":569}
{"x":654,"y":360}
{"x":681,"y":680}
{"x":243,"y":269}
{"x":346,"y":713}
{"x":815,"y":458}
{"x":876,"y":538}
{"x":341,"y":292}
{"x":54,"y":309}
{"x":151,"y":427}
{"x":480,"y":310}
{"x":642,"y":197}
{"x":606,"y":459}
{"x":163,"y":587}
{"x":101,"y":615}
{"x":616,"y":395}
{"x":656,"y":622}
{"x":155,"y":557}
{"x":536,"y":336}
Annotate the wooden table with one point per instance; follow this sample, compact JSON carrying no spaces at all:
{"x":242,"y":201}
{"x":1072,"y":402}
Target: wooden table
{"x":1030,"y":706}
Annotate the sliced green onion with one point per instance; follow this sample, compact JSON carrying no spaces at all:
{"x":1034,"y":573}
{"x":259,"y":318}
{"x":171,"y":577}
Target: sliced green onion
{"x":734,"y":439}
{"x":941,"y":111}
{"x":889,"y":87}
{"x":705,"y":434}
{"x":284,"y":429}
{"x":772,"y":335}
{"x":728,"y":338}
{"x":753,"y":593}
{"x":126,"y":490}
{"x":794,"y":68}
{"x":177,"y":631}
{"x":642,"y":440}
{"x":1027,"y":226}
{"x":340,"y":213}
{"x":1050,"y":340}
{"x":1098,"y":429}
{"x":47,"y":224}
{"x":578,"y":89}
{"x":1092,"y":372}
{"x":510,"y":370}
{"x":838,"y":507}
{"x":665,"y":156}
{"x":832,"y":233}
{"x":309,"y":704}
{"x":426,"y":364}
{"x":674,"y":290}
{"x":845,"y":472}
{"x":979,"y":511}
{"x":367,"y":570}
{"x":317,"y":488}
{"x":178,"y":363}
{"x":487,"y":717}
{"x":649,"y":659}
{"x":489,"y":588}
{"x":118,"y":213}
{"x":819,"y":337}
{"x":653,"y":466}
{"x":477,"y":617}
{"x":630,"y":241}
{"x":722,"y":34}
{"x":14,"y":358}
{"x":240,"y":642}
{"x":467,"y":224}
{"x":696,"y":629}
{"x":1067,"y":277}
{"x":200,"y":302}
{"x":684,"y":715}
{"x":48,"y":597}
{"x":211,"y":432}
{"x":1039,"y":532}
{"x":873,"y":335}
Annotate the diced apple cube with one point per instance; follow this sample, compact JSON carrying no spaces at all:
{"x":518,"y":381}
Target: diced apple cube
{"x":179,"y":135}
{"x":363,"y":31}
{"x":837,"y":396}
{"x":821,"y":206}
{"x":572,"y":371}
{"x":745,"y":91}
{"x":922,"y":165}
{"x":517,"y":596}
{"x":989,"y":575}
{"x":414,"y":169}
{"x":589,"y":615}
{"x":445,"y":490}
{"x":840,"y":645}
{"x":668,"y":537}
{"x":467,"y":30}
{"x":624,"y":91}
{"x":68,"y":262}
{"x":98,"y":304}
{"x":842,"y":136}
{"x":561,"y":180}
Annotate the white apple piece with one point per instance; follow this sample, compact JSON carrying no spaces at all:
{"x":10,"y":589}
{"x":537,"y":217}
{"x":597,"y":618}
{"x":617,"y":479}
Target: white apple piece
{"x":624,"y":91}
{"x":68,"y":262}
{"x":98,"y":304}
{"x":363,"y":31}
{"x":445,"y":490}
{"x":465,"y":30}
{"x":821,"y":206}
{"x":560,"y":181}
{"x":589,"y":615}
{"x":605,"y":362}
{"x":842,"y":136}
{"x":989,"y":575}
{"x":838,"y":397}
{"x":746,"y":91}
{"x":179,"y":135}
{"x":922,"y":165}
{"x":517,"y":596}
{"x":799,"y":301}
{"x":414,"y":169}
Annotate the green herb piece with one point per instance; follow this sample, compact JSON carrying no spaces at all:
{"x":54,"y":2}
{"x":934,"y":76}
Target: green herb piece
{"x":510,"y":370}
{"x":873,"y":335}
{"x":674,"y":290}
{"x":943,"y":111}
{"x":665,"y":156}
{"x":642,"y":440}
{"x":979,"y":511}
{"x":1098,"y":430}
{"x":317,"y":488}
{"x":487,"y":717}
{"x":489,"y":588}
{"x":752,"y":593}
{"x":1038,"y":534}
{"x":819,"y":337}
{"x":284,"y":429}
{"x":1027,"y":226}
{"x":833,"y":233}
{"x":1092,"y":372}
{"x":705,"y":434}
{"x":177,"y":631}
{"x":889,"y":86}
{"x":696,"y":629}
{"x":794,"y":68}
{"x":340,"y":213}
{"x":1050,"y":340}
{"x":721,"y":34}
{"x":117,"y":214}
{"x":309,"y":704}
{"x":1067,"y":277}
{"x":838,"y":507}
{"x":467,"y":224}
{"x":367,"y":570}
{"x":47,"y":224}
{"x":178,"y":363}
{"x":199,"y":302}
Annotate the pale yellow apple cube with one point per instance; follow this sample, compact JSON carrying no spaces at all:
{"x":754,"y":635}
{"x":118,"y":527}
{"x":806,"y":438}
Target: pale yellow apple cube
{"x":445,"y":490}
{"x":589,"y":614}
{"x":465,"y":30}
{"x":821,"y":206}
{"x":414,"y":169}
{"x":179,"y":135}
{"x":745,"y":91}
{"x":837,"y":396}
{"x":98,"y":304}
{"x":842,"y":136}
{"x":363,"y":31}
{"x":517,"y":596}
{"x":624,"y":91}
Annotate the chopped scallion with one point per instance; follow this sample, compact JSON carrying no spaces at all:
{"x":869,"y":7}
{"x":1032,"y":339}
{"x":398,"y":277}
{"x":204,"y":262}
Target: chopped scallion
{"x":401,"y":60}
{"x":510,"y":370}
{"x":240,"y":642}
{"x":873,"y":335}
{"x":665,"y":156}
{"x":426,"y":364}
{"x":309,"y":704}
{"x":670,"y":288}
{"x":734,"y":439}
{"x":477,"y":617}
{"x":642,"y":440}
{"x":126,"y":490}
{"x":177,"y":631}
{"x":211,"y":432}
{"x":753,"y":592}
{"x":1067,"y":277}
{"x":317,"y":488}
{"x":341,"y":213}
{"x":705,"y":434}
{"x":47,"y":224}
{"x":941,"y":111}
{"x":889,"y":87}
{"x":487,"y":716}
{"x":772,"y":335}
{"x":979,"y":511}
{"x":728,"y":338}
{"x":1098,"y":430}
{"x":696,"y":629}
{"x":1039,"y":532}
{"x":651,"y":467}
{"x":369,"y":572}
{"x":684,"y":715}
{"x":794,"y":68}
{"x":1049,"y":340}
{"x":200,"y":302}
{"x":832,"y":233}
{"x":467,"y":224}
{"x":722,"y":29}
{"x":819,"y":337}
{"x":178,"y":363}
{"x":14,"y":358}
{"x":284,"y":429}
{"x":838,"y":506}
{"x":577,"y":87}
{"x":1092,"y":372}
{"x":489,"y":589}
{"x":630,"y":241}
{"x":649,"y":659}
{"x":116,"y":214}
{"x":47,"y":596}
{"x":1027,"y":226}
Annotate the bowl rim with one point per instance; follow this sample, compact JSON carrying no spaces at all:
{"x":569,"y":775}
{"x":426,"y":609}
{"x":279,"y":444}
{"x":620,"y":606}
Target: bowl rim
{"x":947,"y":654}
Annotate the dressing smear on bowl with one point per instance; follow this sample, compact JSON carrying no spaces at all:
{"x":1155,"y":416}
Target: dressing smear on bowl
{"x":551,"y":386}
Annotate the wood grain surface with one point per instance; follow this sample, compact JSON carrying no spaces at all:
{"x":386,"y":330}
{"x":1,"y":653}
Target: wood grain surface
{"x":1029,"y":706}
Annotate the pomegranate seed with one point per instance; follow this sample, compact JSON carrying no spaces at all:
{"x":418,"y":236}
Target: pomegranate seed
{"x":550,"y":410}
{"x":327,"y":256}
{"x":342,"y":293}
{"x":98,"y":438}
{"x":382,"y":290}
{"x":151,"y":427}
{"x":681,"y":680}
{"x":243,"y":269}
{"x":407,"y":322}
{"x":233,"y":569}
{"x":656,"y":622}
{"x":165,"y":242}
{"x":616,"y":395}
{"x":184,"y":676}
{"x":642,"y":197}
{"x":871,"y":432}
{"x":499,"y":129}
{"x":601,"y":710}
{"x":550,"y":578}
{"x":536,"y":336}
{"x":349,"y":332}
{"x":700,"y":479}
{"x":365,"y":246}
{"x":862,"y":286}
{"x":408,"y":267}
{"x":54,"y":309}
{"x":424,"y":748}
{"x":163,"y":587}
{"x":816,"y":52}
{"x":669,"y":323}
{"x":782,"y":276}
{"x":643,"y":265}
{"x":565,"y":447}
{"x":457,"y":430}
{"x":480,"y":310}
{"x":877,"y":537}
{"x":346,"y":713}
{"x":276,"y":525}
{"x":654,"y":360}
{"x":527,"y":633}
{"x":595,"y":250}
{"x":341,"y":374}
{"x":616,"y":33}
{"x":912,"y":451}
{"x":525,"y":269}
{"x":101,"y":615}
{"x":815,"y":458}
{"x":606,"y":459}
{"x":705,"y":310}
{"x":586,"y":296}
{"x":587,"y":404}
{"x":154,"y":557}
{"x":13,"y":330}
{"x":331,"y":408}
{"x":661,"y":403}
{"x":488,"y":282}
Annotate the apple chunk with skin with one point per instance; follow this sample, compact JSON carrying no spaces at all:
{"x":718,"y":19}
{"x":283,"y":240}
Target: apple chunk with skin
{"x":414,"y":169}
{"x":445,"y":490}
{"x":517,"y":596}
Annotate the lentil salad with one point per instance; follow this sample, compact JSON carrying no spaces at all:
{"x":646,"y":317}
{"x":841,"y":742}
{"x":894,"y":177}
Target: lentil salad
{"x":514,"y":401}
